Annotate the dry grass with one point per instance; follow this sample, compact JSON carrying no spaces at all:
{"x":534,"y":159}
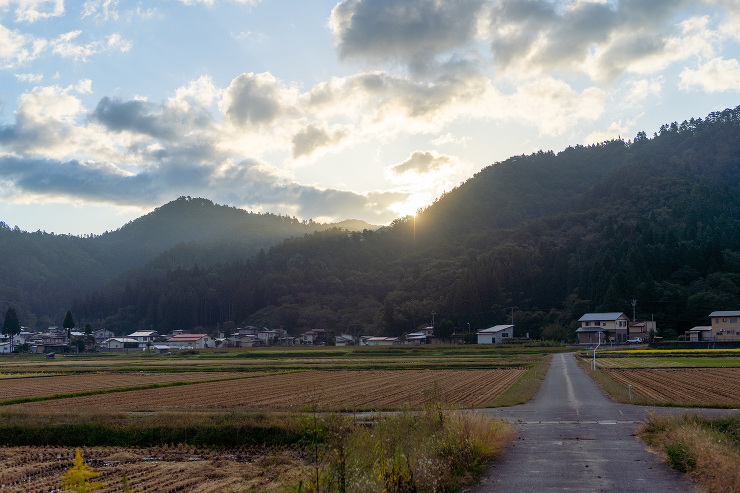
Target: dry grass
{"x":708,"y":450}
{"x":436,"y":450}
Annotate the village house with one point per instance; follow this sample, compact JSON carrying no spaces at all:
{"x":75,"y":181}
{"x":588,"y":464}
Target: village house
{"x":144,"y":337}
{"x":249,"y":340}
{"x":101,"y":335}
{"x":725,"y":326}
{"x":190,"y":341}
{"x":495,"y":334}
{"x":613,"y":327}
{"x":119,"y":344}
{"x":344,"y":340}
{"x":423,"y":336}
{"x":55,"y":342}
{"x":246,"y":331}
{"x":383,"y":341}
{"x":314,"y":337}
{"x":700,"y":333}
{"x":642,"y":329}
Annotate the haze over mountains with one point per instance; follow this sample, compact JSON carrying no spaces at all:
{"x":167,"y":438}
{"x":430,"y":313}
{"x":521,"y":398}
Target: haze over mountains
{"x":547,"y":235}
{"x":42,"y":273}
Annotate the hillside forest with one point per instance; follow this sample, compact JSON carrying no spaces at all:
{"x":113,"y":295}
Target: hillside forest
{"x":544,"y":238}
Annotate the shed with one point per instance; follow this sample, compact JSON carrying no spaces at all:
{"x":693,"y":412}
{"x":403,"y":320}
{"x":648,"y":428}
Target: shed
{"x":495,"y":334}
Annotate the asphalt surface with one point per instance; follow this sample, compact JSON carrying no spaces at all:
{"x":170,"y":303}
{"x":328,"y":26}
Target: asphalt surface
{"x":573,"y":437}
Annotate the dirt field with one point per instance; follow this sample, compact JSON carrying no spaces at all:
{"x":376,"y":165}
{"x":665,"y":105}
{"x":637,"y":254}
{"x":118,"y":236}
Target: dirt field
{"x":682,"y":386}
{"x":325,"y":390}
{"x":38,"y":386}
{"x":26,"y":469}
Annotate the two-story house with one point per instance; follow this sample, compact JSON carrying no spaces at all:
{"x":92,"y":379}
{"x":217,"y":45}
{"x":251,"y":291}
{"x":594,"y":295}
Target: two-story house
{"x":613,"y":326}
{"x":144,"y":337}
{"x":725,"y":325}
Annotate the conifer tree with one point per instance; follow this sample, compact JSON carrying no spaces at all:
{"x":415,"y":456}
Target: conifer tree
{"x":76,"y":477}
{"x":69,"y":323}
{"x":11,"y":325}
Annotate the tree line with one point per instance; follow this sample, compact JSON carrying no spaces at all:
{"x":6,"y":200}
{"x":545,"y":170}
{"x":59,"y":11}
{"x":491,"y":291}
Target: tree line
{"x":546,"y":236}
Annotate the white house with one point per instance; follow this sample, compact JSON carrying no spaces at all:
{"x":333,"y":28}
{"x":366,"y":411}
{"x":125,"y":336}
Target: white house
{"x":120,"y":343}
{"x":495,"y":334}
{"x":267,"y":336}
{"x":144,"y":337}
{"x":344,"y":340}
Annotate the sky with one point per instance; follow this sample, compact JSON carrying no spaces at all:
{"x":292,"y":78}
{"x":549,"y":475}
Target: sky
{"x":329,"y":110}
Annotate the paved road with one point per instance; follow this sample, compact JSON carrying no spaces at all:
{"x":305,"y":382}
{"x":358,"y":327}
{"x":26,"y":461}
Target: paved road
{"x":572,"y":437}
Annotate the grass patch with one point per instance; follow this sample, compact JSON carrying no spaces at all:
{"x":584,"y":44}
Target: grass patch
{"x":526,"y":386}
{"x":435,"y":450}
{"x":616,"y":390}
{"x":707,"y":449}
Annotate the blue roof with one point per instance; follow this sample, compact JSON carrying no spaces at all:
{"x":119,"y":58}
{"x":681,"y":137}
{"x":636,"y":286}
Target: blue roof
{"x":597,"y":317}
{"x":735,"y":313}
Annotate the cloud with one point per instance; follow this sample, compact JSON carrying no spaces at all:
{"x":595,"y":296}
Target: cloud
{"x":421,"y":163}
{"x":412,"y":31}
{"x":34,"y":10}
{"x":256,"y":99}
{"x":96,"y":182}
{"x":45,"y":122}
{"x":600,"y":39}
{"x":100,"y":9}
{"x":17,"y":48}
{"x":64,"y":46}
{"x":316,"y":136}
{"x":450,"y":138}
{"x":212,"y":2}
{"x":29,"y":77}
{"x":552,"y":105}
{"x":133,"y":116}
{"x":643,"y":89}
{"x":717,"y":75}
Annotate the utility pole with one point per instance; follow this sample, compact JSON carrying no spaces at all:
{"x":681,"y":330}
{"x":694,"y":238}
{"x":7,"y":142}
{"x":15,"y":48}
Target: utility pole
{"x":634,"y":303}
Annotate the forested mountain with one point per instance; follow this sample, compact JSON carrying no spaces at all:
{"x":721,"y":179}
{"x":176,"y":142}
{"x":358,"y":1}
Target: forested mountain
{"x":41,"y":273}
{"x":547,"y":236}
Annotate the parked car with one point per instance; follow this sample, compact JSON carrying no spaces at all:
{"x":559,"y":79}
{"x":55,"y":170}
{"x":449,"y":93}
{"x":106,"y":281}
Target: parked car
{"x":635,"y":340}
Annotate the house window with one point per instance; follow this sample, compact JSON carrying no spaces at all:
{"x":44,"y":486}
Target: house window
{"x":733,"y":320}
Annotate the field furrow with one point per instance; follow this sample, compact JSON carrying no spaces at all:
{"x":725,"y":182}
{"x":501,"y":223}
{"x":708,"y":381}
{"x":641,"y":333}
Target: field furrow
{"x":40,"y":386}
{"x":327,"y":390}
{"x":708,"y":386}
